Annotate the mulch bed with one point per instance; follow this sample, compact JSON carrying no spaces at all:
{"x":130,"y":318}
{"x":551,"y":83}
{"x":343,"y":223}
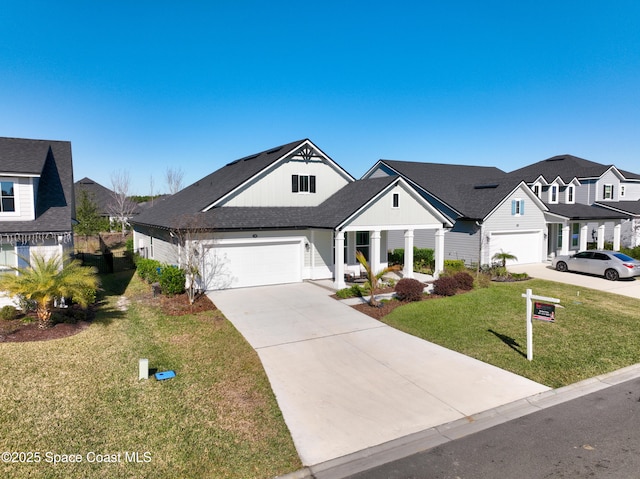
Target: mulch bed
{"x":178,"y":305}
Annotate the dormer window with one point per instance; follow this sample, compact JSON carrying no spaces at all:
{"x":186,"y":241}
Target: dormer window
{"x":7,"y":198}
{"x":536,"y":190}
{"x":553,"y":194}
{"x":571,"y":194}
{"x":607,"y":192}
{"x":303,"y":183}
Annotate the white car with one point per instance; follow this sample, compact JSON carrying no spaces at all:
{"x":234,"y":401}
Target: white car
{"x":613,"y":265}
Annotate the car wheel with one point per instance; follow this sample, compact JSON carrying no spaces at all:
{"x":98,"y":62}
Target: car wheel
{"x":611,"y":275}
{"x":562,"y":266}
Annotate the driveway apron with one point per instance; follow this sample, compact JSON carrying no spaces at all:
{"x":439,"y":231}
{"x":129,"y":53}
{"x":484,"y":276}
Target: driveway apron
{"x":624,"y":287}
{"x":345,"y":382}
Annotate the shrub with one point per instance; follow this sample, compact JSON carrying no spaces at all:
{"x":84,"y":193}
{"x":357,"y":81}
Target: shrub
{"x":483,"y":280}
{"x":354,"y":291}
{"x":409,"y":289}
{"x":25,"y":304}
{"x":172,"y":280}
{"x":396,"y":256}
{"x":454,"y":265}
{"x":464,"y":280}
{"x":445,"y":286}
{"x":8,"y":313}
{"x":148,"y":269}
{"x":423,"y":258}
{"x":633,"y":252}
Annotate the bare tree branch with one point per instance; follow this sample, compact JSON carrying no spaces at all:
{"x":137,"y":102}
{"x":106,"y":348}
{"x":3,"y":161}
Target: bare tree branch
{"x":174,"y":179}
{"x":121,"y":208}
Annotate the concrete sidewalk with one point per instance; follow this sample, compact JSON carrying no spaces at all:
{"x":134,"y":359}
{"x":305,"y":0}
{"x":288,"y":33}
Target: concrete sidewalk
{"x":346,"y":382}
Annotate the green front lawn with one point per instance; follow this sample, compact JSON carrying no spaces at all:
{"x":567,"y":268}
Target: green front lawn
{"x":81,"y":396}
{"x":594,"y":332}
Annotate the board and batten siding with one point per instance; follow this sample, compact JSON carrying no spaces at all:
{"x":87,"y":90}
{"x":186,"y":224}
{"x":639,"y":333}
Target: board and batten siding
{"x":381,"y":212}
{"x":273,"y":187}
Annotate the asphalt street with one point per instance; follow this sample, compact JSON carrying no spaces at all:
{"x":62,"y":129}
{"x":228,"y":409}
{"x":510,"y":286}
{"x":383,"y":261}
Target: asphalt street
{"x":595,"y":436}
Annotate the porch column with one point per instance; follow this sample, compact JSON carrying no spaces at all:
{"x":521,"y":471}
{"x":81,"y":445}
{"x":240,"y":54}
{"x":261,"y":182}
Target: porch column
{"x":601,"y":236}
{"x":439,"y":252}
{"x":407,"y":272}
{"x":566,"y":238}
{"x":584,"y":232}
{"x":374,"y":256}
{"x":338,"y":266}
{"x":616,"y":236}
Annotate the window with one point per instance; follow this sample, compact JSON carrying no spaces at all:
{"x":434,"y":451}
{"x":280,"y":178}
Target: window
{"x":7,"y":257}
{"x":570,"y":194}
{"x":303,"y":183}
{"x":7,"y":198}
{"x":607,"y":192}
{"x":536,"y":190}
{"x":362,"y":243}
{"x":575,"y":235}
{"x":553,"y":194}
{"x":396,"y":200}
{"x":559,"y":236}
{"x":517,"y":207}
{"x":621,"y":191}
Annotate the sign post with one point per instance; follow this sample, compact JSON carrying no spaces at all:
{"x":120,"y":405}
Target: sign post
{"x":545,"y":312}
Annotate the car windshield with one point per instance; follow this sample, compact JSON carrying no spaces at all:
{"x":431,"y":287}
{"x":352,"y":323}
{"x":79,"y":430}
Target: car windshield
{"x":623,"y":257}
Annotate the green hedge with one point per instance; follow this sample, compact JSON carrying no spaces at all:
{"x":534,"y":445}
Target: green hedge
{"x":422,"y":257}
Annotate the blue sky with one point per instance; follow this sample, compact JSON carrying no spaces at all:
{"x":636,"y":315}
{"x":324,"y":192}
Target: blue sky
{"x":142,"y":86}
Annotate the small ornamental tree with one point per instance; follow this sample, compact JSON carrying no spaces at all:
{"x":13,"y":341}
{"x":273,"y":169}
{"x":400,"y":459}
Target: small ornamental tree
{"x":373,"y":279}
{"x":44,"y":280}
{"x":503,"y":257}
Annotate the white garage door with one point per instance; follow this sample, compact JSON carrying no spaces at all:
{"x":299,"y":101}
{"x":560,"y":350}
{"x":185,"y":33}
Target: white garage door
{"x":240,"y":265}
{"x":526,"y":246}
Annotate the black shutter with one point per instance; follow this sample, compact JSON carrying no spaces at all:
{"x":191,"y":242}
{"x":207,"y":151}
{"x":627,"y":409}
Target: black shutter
{"x":294,"y":183}
{"x":312,"y":184}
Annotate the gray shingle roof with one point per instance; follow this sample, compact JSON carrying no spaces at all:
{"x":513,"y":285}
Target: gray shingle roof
{"x":51,"y":160}
{"x":328,"y":215}
{"x":630,"y":207}
{"x":579,"y":211}
{"x":566,"y":167}
{"x":206,"y":191}
{"x":102,"y":196}
{"x":473,"y":191}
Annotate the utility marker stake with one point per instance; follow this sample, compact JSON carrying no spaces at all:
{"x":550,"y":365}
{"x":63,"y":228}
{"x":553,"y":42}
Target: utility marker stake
{"x":143,"y":369}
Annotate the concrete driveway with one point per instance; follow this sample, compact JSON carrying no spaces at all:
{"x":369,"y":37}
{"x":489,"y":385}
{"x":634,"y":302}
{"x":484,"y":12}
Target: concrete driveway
{"x":624,"y":287}
{"x":345,"y":382}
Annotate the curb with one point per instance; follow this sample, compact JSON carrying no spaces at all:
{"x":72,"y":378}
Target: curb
{"x":429,"y":438}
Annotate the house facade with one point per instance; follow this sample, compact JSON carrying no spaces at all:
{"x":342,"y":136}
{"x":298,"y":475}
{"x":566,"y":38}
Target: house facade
{"x":37,"y":202}
{"x":587,"y":202}
{"x":285,"y":215}
{"x":556,"y":206}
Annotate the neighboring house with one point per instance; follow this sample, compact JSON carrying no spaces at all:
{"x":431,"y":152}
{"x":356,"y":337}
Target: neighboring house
{"x":587,"y":202}
{"x":490,"y":211}
{"x":551,"y":207}
{"x":37,"y":201}
{"x":104,"y":198}
{"x":285,"y":215}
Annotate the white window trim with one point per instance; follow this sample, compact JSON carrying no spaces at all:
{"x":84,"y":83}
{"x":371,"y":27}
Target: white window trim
{"x":551,"y":190}
{"x":621,"y":193}
{"x":571,"y":189}
{"x":537,"y":190}
{"x":604,"y":195}
{"x":394,"y":197}
{"x":16,"y":199}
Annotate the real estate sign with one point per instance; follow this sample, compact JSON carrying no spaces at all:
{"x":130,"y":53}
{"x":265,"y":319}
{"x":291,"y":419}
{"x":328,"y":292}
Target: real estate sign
{"x":544,"y":311}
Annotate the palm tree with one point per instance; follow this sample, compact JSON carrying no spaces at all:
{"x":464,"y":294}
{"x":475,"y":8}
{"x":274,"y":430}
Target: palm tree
{"x":373,"y":279}
{"x":44,"y":280}
{"x":504,"y":257}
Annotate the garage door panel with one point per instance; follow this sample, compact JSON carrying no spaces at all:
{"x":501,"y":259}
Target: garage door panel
{"x":525,"y":246}
{"x":253,"y":264}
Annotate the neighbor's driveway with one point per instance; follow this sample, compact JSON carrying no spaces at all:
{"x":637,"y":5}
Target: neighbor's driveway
{"x":345,"y":382}
{"x":625,"y":287}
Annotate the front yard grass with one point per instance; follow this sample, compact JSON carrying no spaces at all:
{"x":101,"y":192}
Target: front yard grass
{"x":81,"y":395}
{"x":594,"y":332}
